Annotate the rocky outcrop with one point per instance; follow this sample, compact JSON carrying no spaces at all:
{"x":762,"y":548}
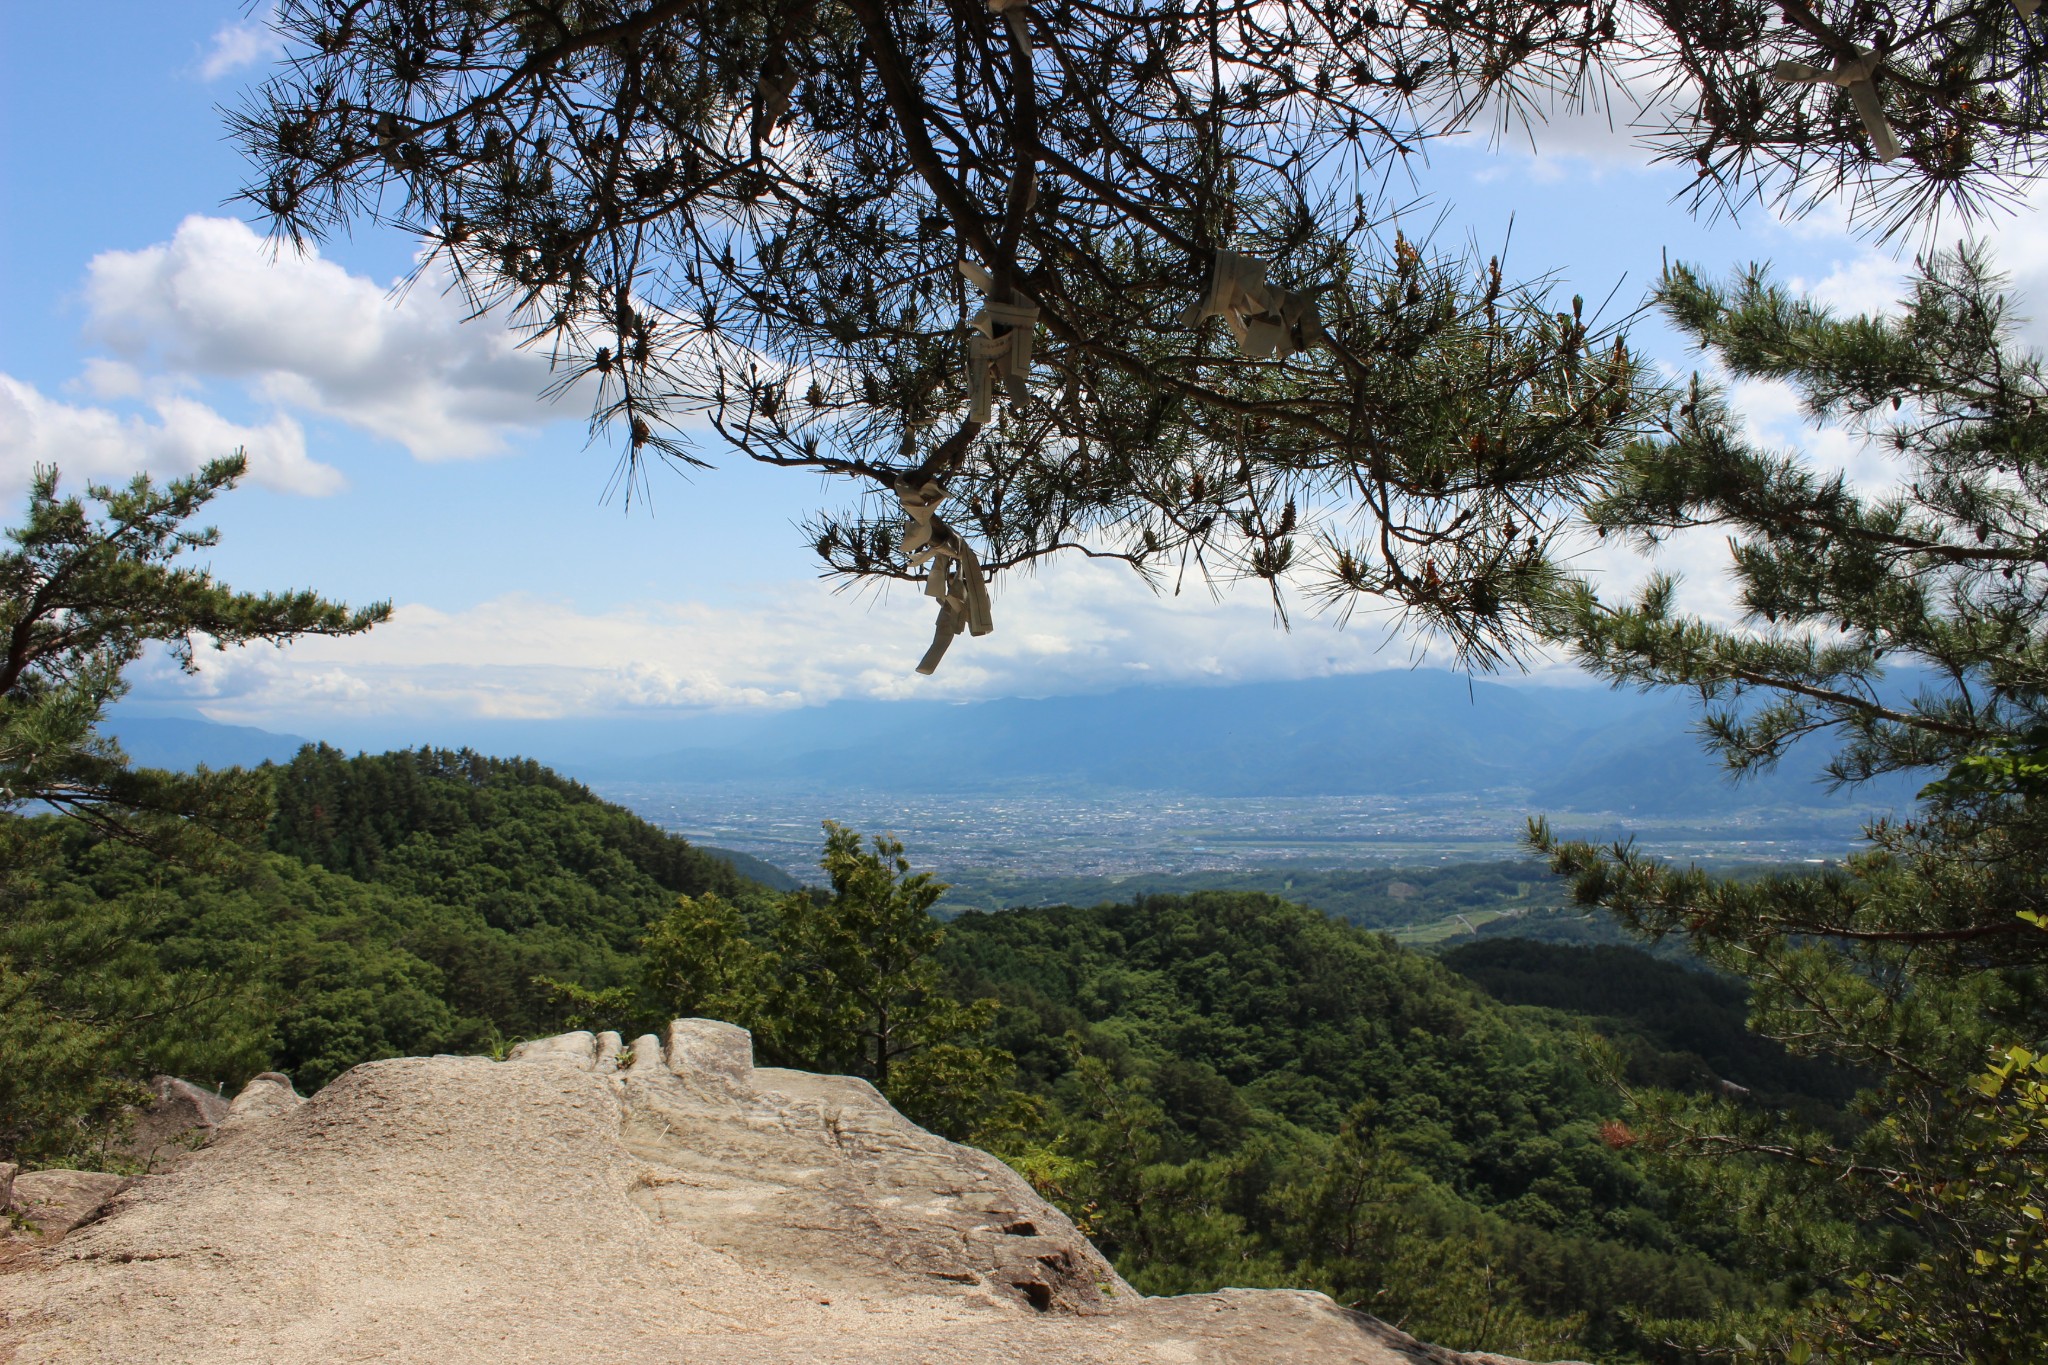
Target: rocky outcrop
{"x":592,"y":1200}
{"x":266,"y":1096}
{"x":178,"y":1120}
{"x":52,"y":1203}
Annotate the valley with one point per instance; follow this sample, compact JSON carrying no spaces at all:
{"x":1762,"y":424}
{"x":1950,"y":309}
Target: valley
{"x":1114,"y":834}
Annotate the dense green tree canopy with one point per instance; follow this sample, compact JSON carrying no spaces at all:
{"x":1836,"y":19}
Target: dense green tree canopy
{"x":86,"y":585}
{"x":1244,"y":1091}
{"x":406,"y":903}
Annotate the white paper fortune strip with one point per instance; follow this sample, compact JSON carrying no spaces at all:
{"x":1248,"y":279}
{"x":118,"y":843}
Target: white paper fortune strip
{"x":954,"y":574}
{"x":774,"y":92}
{"x":1854,"y":75}
{"x":1002,"y":351}
{"x":1267,"y":320}
{"x":1019,"y":9}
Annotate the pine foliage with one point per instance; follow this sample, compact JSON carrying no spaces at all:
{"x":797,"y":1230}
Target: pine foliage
{"x":782,"y":219}
{"x":82,"y":592}
{"x":1907,"y":623}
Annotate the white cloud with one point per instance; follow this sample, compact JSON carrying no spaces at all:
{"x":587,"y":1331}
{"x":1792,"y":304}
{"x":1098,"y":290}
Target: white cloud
{"x":1868,"y":283}
{"x":1586,"y":139}
{"x":1874,"y":280}
{"x":1556,"y":136}
{"x":104,"y":378}
{"x":97,"y":443}
{"x":1075,"y":628}
{"x":240,"y":45}
{"x":217,"y":301}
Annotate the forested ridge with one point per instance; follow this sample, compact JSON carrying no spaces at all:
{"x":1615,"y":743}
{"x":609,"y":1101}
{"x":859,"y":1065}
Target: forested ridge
{"x":1223,"y":1087}
{"x":400,"y":904}
{"x":1260,"y":1094}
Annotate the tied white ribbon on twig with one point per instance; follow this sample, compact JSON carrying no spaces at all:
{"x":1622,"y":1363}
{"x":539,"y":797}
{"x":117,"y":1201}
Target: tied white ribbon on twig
{"x":1267,"y":321}
{"x":777,"y":84}
{"x":1002,"y":351}
{"x":1016,"y":12}
{"x":1857,"y":75}
{"x":953,"y":575}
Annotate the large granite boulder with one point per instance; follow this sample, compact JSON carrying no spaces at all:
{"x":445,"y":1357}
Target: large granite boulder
{"x":52,"y":1203}
{"x":589,"y":1200}
{"x":178,"y":1120}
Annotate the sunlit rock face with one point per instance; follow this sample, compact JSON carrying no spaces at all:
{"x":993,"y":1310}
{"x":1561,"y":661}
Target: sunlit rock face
{"x":594,"y":1200}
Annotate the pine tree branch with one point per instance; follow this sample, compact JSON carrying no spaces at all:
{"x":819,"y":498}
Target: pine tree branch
{"x":1860,"y":705}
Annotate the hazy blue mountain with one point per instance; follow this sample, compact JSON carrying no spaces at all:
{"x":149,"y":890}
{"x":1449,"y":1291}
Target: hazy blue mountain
{"x":181,"y":744}
{"x":1396,"y":733}
{"x":1409,"y":734}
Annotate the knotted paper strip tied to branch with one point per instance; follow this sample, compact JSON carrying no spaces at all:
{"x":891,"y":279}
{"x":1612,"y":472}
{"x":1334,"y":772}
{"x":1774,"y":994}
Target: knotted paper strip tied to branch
{"x":778,"y":82}
{"x":1267,"y":321}
{"x":1002,"y":351}
{"x":1015,"y":11}
{"x":953,"y":575}
{"x":1857,"y":75}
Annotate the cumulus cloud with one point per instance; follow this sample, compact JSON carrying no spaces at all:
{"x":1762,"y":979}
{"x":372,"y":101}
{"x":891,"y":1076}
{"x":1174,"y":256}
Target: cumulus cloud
{"x":218,"y":302}
{"x":1072,"y":629}
{"x":1583,"y":137}
{"x":1871,"y":280}
{"x":99,"y":443}
{"x":239,"y":45}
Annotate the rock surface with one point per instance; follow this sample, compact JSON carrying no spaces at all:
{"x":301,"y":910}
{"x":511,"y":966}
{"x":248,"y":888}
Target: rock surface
{"x":55,"y":1202}
{"x":266,"y":1096}
{"x":588,"y":1200}
{"x":178,"y":1120}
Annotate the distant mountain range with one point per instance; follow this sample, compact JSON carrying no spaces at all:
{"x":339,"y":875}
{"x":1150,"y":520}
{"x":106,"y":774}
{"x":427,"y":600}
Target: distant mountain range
{"x":181,"y":744}
{"x":1407,"y":734}
{"x":1395,"y":733}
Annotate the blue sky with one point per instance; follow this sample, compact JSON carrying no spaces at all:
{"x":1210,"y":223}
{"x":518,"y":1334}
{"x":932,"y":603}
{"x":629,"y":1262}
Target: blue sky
{"x":400,"y":454}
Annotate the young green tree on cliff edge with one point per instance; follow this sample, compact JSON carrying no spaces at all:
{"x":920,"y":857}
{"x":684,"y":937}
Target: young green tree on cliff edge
{"x":86,"y":585}
{"x":845,"y":980}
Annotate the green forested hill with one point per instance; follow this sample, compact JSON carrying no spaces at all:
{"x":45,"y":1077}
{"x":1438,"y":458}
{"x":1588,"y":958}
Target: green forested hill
{"x":1223,"y":1087}
{"x":444,"y":820}
{"x":405,"y":905}
{"x":1258,"y":1093}
{"x":1681,"y":1028}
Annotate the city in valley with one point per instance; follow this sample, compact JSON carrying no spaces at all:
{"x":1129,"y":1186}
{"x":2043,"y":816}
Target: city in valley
{"x":1122,"y":833}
